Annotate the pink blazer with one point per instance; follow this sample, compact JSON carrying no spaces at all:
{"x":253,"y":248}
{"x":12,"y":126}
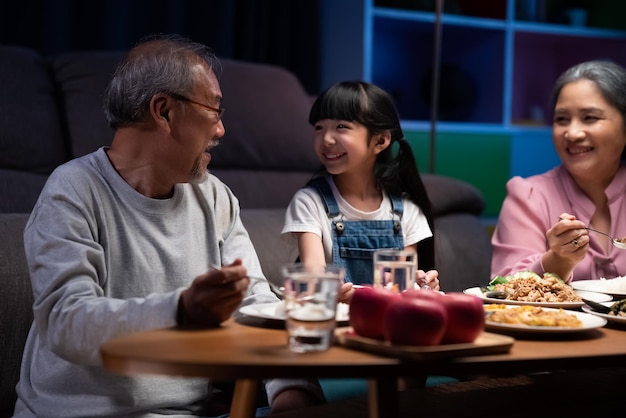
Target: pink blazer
{"x":533,"y":205}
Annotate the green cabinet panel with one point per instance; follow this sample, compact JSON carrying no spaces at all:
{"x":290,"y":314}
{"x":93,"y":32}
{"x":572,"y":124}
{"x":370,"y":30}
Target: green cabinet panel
{"x":479,"y":159}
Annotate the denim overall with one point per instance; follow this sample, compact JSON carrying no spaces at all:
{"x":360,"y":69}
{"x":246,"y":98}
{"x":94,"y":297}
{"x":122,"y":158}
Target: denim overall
{"x":354,"y":242}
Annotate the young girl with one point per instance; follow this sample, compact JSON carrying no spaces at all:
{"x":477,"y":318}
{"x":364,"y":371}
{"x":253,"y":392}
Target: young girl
{"x":368,"y":193}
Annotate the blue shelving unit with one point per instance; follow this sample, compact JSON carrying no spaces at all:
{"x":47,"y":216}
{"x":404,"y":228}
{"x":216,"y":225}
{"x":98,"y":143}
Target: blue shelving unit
{"x":498,"y":66}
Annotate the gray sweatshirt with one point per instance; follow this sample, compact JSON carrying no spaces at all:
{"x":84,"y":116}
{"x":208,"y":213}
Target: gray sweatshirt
{"x":106,"y":261}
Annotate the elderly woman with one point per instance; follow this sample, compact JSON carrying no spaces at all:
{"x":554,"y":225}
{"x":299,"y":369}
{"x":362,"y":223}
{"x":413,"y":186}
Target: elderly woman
{"x":544,"y":218}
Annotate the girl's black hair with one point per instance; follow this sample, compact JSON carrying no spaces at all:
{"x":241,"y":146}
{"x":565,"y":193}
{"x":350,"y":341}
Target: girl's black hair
{"x":395,"y":167}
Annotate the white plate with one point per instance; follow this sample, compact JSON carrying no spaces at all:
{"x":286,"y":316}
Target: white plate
{"x":610,"y":318}
{"x":589,"y":322}
{"x":594,"y":296}
{"x":607,"y":286}
{"x":275,"y":310}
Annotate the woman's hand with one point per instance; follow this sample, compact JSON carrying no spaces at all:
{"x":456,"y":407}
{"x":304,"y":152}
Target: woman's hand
{"x":568,"y":238}
{"x":568,"y":242}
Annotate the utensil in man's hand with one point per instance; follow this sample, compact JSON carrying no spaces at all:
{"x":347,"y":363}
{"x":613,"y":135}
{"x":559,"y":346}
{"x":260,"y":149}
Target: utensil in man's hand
{"x":618,"y":242}
{"x":598,"y":307}
{"x":277,"y":290}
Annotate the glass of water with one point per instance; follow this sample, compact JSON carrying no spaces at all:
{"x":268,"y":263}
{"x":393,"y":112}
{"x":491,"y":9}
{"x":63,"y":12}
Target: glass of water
{"x":310,"y":298}
{"x":395,"y":269}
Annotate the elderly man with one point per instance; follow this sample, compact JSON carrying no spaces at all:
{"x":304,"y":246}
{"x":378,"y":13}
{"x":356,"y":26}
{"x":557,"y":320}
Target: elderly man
{"x":123,"y":240}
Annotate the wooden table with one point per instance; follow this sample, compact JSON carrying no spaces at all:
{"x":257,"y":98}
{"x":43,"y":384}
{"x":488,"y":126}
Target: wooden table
{"x":248,"y":354}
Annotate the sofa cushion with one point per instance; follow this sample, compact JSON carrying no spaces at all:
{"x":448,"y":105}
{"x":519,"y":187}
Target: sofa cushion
{"x":264,"y":226}
{"x":82,"y":78}
{"x":450,"y":195}
{"x":462,"y":251}
{"x":262,"y":188}
{"x":266,"y":119}
{"x":16,"y":302}
{"x":31,"y":137}
{"x":19,"y":190}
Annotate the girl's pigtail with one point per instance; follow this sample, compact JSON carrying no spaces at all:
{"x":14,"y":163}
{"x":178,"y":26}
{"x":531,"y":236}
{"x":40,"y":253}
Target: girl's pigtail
{"x":412,"y":184}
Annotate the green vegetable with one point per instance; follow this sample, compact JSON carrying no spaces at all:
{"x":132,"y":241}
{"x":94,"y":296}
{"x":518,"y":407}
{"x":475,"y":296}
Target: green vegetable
{"x":497,"y":280}
{"x":617,"y":307}
{"x":521,"y":275}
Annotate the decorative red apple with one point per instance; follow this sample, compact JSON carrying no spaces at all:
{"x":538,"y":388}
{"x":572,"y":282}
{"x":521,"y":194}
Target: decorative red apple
{"x":415,"y":321}
{"x":422,"y":293}
{"x":416,"y":317}
{"x":466,"y":318}
{"x":367,"y":311}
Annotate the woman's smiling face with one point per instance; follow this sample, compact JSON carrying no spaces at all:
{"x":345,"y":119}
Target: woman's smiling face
{"x":588,"y":132}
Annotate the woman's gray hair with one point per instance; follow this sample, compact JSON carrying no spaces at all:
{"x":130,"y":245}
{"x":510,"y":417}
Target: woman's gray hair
{"x":609,"y":77}
{"x":157,"y":64}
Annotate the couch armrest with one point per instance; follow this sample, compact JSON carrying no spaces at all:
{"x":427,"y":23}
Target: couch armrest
{"x":16,"y":313}
{"x":450,"y":195}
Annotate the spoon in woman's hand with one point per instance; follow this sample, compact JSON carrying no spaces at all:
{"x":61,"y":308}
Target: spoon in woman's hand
{"x":619,"y":242}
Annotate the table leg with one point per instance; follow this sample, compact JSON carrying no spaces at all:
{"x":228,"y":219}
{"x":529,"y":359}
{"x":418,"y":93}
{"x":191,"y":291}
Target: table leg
{"x":383,"y":397}
{"x":244,"y":398}
{"x":405,"y":383}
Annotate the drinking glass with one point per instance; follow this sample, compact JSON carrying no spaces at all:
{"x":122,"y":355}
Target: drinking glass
{"x":310,"y":298}
{"x":395,"y":269}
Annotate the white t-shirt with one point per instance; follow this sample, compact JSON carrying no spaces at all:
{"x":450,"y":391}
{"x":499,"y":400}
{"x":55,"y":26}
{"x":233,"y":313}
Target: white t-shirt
{"x":307,"y":213}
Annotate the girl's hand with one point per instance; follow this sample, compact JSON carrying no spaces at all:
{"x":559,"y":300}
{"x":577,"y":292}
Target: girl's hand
{"x":346,"y":292}
{"x":429,"y":278}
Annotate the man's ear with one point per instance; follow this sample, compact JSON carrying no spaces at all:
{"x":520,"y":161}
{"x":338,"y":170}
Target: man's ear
{"x":160,"y":107}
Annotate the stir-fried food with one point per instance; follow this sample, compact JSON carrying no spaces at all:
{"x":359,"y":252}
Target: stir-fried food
{"x":618,"y":308}
{"x":532,"y":316}
{"x":528,"y":286}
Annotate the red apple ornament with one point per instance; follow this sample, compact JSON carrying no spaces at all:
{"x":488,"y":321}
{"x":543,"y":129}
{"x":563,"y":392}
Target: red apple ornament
{"x":367,"y":310}
{"x":466,"y":318}
{"x":422,"y":293}
{"x":415,"y":321}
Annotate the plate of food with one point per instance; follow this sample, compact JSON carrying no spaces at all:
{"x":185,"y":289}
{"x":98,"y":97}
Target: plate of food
{"x":615,"y":287}
{"x":276,"y":311}
{"x":537,"y":319}
{"x":528,"y":288}
{"x":616,"y":314}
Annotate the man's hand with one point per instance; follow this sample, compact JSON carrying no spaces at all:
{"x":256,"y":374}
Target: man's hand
{"x":213,"y":296}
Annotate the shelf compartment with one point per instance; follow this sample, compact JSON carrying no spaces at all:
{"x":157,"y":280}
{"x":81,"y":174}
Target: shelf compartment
{"x":402,"y":65}
{"x":540,"y":58}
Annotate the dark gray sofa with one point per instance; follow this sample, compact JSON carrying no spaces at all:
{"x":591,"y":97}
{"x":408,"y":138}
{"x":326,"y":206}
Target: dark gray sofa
{"x":50,"y":112}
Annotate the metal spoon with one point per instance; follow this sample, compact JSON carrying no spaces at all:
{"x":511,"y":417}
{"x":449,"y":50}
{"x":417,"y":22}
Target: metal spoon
{"x":276,"y":289}
{"x":619,"y":243}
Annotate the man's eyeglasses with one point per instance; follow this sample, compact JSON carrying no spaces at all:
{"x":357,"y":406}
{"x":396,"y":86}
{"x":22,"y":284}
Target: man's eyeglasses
{"x":220,"y":111}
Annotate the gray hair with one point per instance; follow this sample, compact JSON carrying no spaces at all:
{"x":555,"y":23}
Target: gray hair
{"x":157,"y":64}
{"x":609,"y":77}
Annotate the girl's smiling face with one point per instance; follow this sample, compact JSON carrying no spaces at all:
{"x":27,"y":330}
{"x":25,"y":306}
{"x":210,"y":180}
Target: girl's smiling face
{"x":588,"y":133}
{"x":344,"y":146}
